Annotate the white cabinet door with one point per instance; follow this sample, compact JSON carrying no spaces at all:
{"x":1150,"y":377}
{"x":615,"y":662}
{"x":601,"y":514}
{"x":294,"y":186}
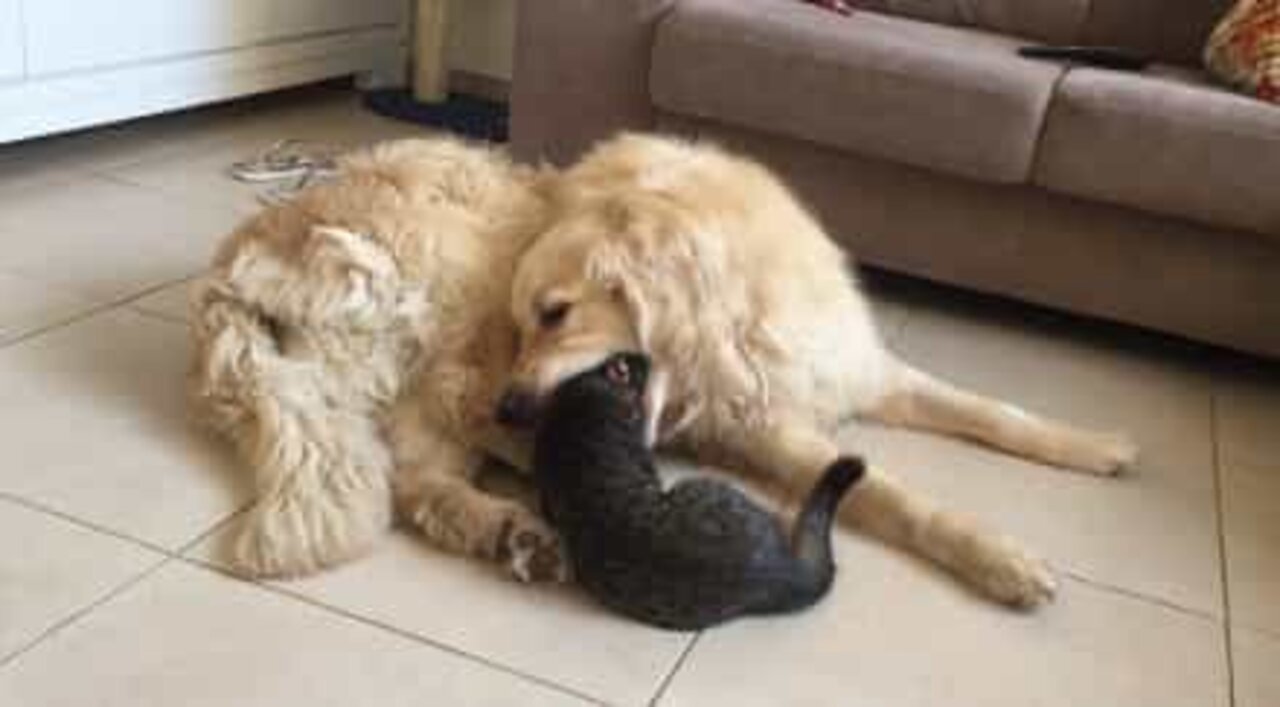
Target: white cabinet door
{"x":10,"y":40}
{"x":69,"y":35}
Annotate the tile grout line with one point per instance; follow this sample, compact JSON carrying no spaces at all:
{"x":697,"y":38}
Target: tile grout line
{"x":75,"y":616}
{"x":90,"y":310}
{"x":1136,"y":595}
{"x":42,"y":509}
{"x":121,"y":302}
{"x":675,"y":668}
{"x":132,"y":304}
{"x":163,"y":559}
{"x":213,"y":530}
{"x":395,"y":630}
{"x":37,"y":507}
{"x":1271,"y":633}
{"x":111,"y":172}
{"x":167,"y":556}
{"x":1221,"y":518}
{"x":101,"y":167}
{"x":210,"y":203}
{"x":157,"y":316}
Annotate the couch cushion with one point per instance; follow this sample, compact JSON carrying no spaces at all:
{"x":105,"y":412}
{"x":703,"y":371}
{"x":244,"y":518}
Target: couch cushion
{"x":1168,"y":30}
{"x":958,"y":101}
{"x":1046,"y":20}
{"x":1171,"y":274}
{"x":1167,"y":143}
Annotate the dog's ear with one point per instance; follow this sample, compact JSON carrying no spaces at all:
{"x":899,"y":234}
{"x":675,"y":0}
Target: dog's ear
{"x":613,"y":266}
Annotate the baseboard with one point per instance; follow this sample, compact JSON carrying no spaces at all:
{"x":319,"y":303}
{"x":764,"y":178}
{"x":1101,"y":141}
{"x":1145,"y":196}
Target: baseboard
{"x":43,"y":106}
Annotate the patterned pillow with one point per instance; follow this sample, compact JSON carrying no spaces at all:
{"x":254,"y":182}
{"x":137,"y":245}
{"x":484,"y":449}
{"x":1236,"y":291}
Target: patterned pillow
{"x":1244,"y":49}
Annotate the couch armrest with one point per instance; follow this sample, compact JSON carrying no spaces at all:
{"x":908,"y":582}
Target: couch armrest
{"x":581,"y":73}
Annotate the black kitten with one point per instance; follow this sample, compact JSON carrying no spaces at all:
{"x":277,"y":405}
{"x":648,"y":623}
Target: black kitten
{"x":687,"y":558}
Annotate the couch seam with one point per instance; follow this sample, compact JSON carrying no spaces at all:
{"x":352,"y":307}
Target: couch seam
{"x":663,"y":17}
{"x":1037,"y":146}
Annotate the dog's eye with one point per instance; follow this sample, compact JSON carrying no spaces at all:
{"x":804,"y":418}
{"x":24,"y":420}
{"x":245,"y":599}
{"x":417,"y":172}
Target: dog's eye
{"x":552,"y":315}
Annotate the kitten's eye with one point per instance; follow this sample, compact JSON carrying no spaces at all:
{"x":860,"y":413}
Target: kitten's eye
{"x":552,"y":315}
{"x":618,"y":372}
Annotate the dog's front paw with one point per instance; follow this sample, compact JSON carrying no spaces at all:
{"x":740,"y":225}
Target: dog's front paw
{"x":531,"y":549}
{"x":1100,"y":453}
{"x":1109,"y":454}
{"x":1012,"y":575}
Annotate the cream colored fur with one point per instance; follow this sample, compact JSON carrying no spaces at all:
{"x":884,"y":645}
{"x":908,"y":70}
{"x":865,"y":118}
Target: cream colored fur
{"x":352,"y":342}
{"x":762,"y":341}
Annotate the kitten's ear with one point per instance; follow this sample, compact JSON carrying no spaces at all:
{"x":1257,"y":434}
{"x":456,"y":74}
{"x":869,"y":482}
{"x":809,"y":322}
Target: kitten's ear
{"x":638,"y":367}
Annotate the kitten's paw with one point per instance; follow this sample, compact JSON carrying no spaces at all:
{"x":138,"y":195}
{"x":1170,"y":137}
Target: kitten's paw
{"x":531,"y":549}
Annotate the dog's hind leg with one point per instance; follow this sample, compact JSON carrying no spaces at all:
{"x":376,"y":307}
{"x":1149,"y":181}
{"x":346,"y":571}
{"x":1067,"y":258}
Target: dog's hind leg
{"x":917,"y":400}
{"x":293,"y":362}
{"x":320,"y":466}
{"x":326,"y":498}
{"x":794,"y":453}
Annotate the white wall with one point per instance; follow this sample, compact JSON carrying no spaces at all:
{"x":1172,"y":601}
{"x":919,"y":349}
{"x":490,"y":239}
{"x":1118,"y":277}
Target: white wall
{"x":12,"y":59}
{"x":481,"y":36}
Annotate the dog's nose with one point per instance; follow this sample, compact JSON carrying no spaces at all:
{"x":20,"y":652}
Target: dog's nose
{"x":517,"y":407}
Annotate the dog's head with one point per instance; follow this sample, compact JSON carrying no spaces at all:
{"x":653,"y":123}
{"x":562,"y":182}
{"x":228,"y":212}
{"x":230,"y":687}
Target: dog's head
{"x":575,"y":302}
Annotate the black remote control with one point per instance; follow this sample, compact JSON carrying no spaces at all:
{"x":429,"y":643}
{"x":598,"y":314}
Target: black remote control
{"x":1102,"y":57}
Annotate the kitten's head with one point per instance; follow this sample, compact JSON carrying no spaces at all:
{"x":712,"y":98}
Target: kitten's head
{"x":627,"y":371}
{"x":616,"y":385}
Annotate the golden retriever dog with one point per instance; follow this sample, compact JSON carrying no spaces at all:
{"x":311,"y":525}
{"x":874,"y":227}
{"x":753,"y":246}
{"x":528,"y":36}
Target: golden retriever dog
{"x":761,"y":342}
{"x":353,"y":343}
{"x":357,"y":342}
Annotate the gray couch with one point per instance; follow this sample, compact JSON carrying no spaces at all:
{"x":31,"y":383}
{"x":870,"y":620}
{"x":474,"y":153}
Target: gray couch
{"x":930,"y":148}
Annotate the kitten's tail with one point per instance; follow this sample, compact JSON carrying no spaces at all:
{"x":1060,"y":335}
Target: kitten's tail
{"x":811,"y":536}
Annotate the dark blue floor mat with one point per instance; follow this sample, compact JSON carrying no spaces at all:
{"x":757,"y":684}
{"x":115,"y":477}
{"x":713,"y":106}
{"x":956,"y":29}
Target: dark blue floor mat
{"x":472,"y":117}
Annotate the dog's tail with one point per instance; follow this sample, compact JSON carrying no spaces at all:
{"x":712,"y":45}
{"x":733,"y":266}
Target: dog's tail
{"x":811,"y":536}
{"x":318,"y":461}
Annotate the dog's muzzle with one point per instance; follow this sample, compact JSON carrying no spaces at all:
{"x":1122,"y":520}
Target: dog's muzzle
{"x":518,"y":407}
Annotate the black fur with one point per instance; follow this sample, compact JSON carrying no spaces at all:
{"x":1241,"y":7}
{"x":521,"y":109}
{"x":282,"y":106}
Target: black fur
{"x":694,"y":556}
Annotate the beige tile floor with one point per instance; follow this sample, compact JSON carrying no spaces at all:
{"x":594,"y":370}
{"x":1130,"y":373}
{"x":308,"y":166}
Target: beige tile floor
{"x":112,"y":506}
